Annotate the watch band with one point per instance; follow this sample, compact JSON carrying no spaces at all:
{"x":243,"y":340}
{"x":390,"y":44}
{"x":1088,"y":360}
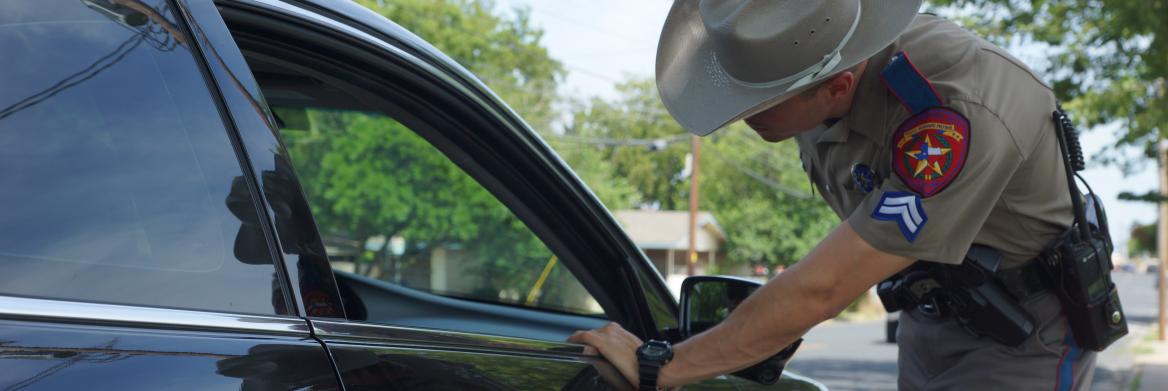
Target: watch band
{"x":648,"y":376}
{"x":650,"y":358}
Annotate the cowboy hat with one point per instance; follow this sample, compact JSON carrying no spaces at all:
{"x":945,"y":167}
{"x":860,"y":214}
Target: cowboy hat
{"x":720,"y":61}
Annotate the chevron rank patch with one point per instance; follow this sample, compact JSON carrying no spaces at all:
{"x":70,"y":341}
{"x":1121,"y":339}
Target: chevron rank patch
{"x":929,"y":150}
{"x":905,"y":209}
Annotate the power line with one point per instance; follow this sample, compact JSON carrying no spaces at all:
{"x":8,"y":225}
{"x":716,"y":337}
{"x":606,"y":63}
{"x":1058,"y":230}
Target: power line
{"x":610,"y":33}
{"x":610,"y":53}
{"x":759,"y":154}
{"x":592,"y":73}
{"x":655,"y":142}
{"x":90,"y":71}
{"x":760,"y":178}
{"x":661,"y":142}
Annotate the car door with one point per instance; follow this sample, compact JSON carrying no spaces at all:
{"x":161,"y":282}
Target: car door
{"x":428,"y":315}
{"x":464,"y":252}
{"x":133,"y":250}
{"x":440,"y":329}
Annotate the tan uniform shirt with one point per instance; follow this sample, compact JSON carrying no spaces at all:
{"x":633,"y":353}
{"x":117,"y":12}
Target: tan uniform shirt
{"x":1011,"y":194}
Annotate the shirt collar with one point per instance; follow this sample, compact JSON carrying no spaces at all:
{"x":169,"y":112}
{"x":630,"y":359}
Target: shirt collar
{"x":836,"y":132}
{"x":869,"y":114}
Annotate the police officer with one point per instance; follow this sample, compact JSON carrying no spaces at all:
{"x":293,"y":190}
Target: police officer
{"x":922,"y":137}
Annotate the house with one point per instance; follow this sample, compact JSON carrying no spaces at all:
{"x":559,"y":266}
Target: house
{"x":664,"y":237}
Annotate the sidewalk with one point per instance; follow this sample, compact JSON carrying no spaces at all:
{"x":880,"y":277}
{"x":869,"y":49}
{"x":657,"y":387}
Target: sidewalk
{"x":1150,"y":372}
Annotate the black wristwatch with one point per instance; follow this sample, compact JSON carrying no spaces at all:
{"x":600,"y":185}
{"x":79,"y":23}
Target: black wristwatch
{"x":650,"y":358}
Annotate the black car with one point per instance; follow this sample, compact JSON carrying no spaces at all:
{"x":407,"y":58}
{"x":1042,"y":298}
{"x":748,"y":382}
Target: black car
{"x":269,"y":194}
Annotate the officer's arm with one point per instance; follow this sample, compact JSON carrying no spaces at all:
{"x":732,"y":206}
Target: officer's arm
{"x":815,"y":289}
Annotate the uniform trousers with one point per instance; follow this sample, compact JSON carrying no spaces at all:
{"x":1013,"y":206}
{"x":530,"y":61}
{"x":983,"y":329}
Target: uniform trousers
{"x":936,"y":353}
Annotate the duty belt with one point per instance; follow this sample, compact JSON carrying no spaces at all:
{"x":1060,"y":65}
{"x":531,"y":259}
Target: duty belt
{"x":1023,"y":281}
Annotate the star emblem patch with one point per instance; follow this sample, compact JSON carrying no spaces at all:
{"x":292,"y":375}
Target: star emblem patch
{"x":930,"y":149}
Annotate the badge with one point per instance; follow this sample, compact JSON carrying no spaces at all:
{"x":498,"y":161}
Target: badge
{"x":864,"y":178}
{"x":905,"y":209}
{"x":929,"y":150}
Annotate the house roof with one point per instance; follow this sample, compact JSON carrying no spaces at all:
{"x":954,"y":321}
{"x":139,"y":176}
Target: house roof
{"x":664,"y":230}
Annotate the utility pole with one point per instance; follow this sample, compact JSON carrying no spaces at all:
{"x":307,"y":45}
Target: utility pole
{"x":692,"y":255}
{"x":1162,"y":236}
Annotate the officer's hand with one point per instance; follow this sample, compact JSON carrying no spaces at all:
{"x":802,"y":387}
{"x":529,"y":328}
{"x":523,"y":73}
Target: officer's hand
{"x":616,"y":344}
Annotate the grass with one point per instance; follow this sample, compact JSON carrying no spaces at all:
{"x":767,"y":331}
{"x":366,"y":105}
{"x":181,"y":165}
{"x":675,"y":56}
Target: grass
{"x":1135,"y":384}
{"x":864,"y":308}
{"x":1144,"y":344}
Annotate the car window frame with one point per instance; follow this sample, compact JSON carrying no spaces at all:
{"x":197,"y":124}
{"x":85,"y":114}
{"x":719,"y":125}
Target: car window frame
{"x":255,"y":133}
{"x":409,"y":67}
{"x":621,"y":272}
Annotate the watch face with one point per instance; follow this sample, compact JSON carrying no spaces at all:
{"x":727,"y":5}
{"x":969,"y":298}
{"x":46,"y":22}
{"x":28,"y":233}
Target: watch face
{"x":654,"y":350}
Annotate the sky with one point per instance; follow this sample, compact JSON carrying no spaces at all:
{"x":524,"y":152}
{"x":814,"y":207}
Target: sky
{"x":602,"y":42}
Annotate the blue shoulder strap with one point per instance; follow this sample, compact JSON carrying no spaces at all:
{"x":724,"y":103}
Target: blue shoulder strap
{"x":907,"y":83}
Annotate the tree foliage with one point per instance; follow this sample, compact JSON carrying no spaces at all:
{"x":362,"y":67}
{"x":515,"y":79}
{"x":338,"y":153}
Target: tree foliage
{"x":1143,"y":240}
{"x":1108,"y":58}
{"x":757,"y":191}
{"x":603,"y":127}
{"x":505,"y":53}
{"x":369,"y":178}
{"x":761,"y":191}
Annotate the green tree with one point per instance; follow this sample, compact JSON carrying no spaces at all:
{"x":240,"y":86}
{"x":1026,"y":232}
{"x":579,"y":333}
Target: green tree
{"x":505,"y":53}
{"x":761,"y":194}
{"x":587,"y":160}
{"x":1143,"y":240}
{"x":1108,"y":62}
{"x":370,"y":178}
{"x":757,"y":191}
{"x":606,"y":126}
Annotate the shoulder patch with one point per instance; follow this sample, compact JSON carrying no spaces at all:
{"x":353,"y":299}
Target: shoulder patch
{"x":905,"y":209}
{"x":908,"y":85}
{"x":929,"y":150}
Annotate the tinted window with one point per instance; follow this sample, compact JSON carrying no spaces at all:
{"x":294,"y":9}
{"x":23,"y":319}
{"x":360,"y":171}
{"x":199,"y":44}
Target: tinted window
{"x":393,"y":207}
{"x":118,"y":179}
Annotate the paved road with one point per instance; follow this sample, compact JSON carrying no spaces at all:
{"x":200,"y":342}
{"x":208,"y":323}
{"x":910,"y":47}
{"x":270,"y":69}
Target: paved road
{"x":853,"y":355}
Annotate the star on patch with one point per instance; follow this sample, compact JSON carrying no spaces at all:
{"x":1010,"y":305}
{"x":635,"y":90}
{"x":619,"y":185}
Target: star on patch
{"x":929,"y":150}
{"x":905,"y":209}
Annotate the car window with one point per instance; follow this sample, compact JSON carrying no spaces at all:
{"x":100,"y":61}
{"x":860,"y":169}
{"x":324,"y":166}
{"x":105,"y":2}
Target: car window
{"x":120,"y":181}
{"x":391,"y":206}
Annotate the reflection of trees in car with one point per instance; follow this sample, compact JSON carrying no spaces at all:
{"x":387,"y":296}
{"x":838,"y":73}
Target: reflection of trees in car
{"x":708,"y":306}
{"x":399,"y":369}
{"x":61,"y":359}
{"x":369,"y":178}
{"x":711,"y":302}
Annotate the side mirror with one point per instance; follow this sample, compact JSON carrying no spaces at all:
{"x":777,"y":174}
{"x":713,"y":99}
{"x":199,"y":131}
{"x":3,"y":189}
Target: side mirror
{"x":708,"y":300}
